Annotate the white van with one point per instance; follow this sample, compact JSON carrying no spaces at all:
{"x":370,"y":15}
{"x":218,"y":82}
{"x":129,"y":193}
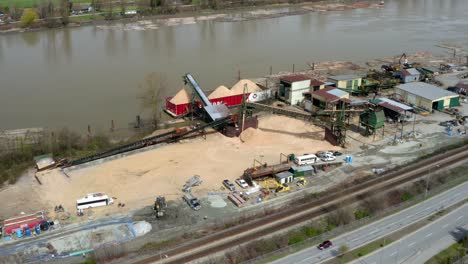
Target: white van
{"x":306,"y":159}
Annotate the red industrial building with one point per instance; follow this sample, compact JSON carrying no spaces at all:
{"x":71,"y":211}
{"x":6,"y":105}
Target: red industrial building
{"x":180,"y":104}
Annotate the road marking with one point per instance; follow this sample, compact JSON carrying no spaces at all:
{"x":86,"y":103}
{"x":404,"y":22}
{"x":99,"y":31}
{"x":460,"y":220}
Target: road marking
{"x":412,"y":244}
{"x":355,"y":239}
{"x":409,"y":216}
{"x":444,"y":226}
{"x":427,"y":208}
{"x":460,"y":217}
{"x":428,"y":235}
{"x":393,"y":254}
{"x":374,"y":231}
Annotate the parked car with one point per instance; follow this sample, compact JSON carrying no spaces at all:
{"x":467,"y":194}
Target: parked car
{"x":242,"y":183}
{"x":192,"y":201}
{"x":228,"y":184}
{"x":329,"y":158}
{"x":323,"y":154}
{"x":458,"y":90}
{"x":336,"y":153}
{"x":325,"y":244}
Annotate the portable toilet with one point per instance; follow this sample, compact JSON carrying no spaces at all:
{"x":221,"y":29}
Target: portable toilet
{"x":27,"y":231}
{"x":19,"y":233}
{"x":37,"y":229}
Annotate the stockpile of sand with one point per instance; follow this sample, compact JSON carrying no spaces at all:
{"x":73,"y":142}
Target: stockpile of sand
{"x":182,"y":97}
{"x":238,"y":88}
{"x":221,"y":91}
{"x":137,"y":179}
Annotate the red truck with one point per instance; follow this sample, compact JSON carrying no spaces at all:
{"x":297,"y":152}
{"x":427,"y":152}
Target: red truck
{"x":22,"y":221}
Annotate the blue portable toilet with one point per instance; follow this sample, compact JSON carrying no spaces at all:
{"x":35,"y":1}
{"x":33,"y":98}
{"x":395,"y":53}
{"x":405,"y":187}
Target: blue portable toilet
{"x":350,"y":159}
{"x":37,"y":229}
{"x":27,"y":231}
{"x":19,"y":233}
{"x":7,"y":238}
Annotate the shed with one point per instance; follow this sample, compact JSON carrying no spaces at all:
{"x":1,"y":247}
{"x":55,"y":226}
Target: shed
{"x":284,"y":177}
{"x":408,"y":75}
{"x":293,"y":87}
{"x":316,"y":85}
{"x":427,"y":96}
{"x":393,"y":109}
{"x":349,"y":82}
{"x":299,"y":171}
{"x":327,"y":98}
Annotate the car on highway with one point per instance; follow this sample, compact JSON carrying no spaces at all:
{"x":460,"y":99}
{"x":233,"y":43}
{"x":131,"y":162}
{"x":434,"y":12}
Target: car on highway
{"x":325,"y":244}
{"x":229,"y":185}
{"x":242,"y":183}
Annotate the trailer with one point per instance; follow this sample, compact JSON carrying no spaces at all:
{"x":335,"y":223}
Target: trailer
{"x":23,"y":222}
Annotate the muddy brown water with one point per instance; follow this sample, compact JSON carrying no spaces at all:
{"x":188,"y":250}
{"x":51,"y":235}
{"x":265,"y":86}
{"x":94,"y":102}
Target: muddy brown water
{"x":78,"y":76}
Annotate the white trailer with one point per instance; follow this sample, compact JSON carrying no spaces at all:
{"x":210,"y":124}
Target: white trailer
{"x":93,"y":200}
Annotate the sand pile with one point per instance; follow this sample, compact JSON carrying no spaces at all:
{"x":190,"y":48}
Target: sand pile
{"x":238,"y":88}
{"x":182,"y":97}
{"x":137,"y":179}
{"x":221,"y":91}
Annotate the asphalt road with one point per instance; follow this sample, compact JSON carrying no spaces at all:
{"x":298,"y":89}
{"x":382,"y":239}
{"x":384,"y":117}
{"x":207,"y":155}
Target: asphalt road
{"x":381,"y":228}
{"x":421,"y":245}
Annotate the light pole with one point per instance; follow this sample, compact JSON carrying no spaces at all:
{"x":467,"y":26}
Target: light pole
{"x":428,"y":179}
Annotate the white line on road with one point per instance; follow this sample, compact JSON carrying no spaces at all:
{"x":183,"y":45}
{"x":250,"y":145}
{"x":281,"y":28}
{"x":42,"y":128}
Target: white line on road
{"x":374,"y":231}
{"x":393,"y":254}
{"x":444,"y":226}
{"x":355,"y":239}
{"x":428,"y":235}
{"x":409,"y":216}
{"x":412,"y":244}
{"x":460,"y":217}
{"x":427,"y":208}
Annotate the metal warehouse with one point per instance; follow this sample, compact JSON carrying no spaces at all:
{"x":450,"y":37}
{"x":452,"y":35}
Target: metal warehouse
{"x":427,"y":96}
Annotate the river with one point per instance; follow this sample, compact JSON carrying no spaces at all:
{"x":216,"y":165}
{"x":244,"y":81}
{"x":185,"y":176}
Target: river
{"x":78,"y":76}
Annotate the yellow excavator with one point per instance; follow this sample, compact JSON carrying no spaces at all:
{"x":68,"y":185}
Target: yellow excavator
{"x":273,"y":185}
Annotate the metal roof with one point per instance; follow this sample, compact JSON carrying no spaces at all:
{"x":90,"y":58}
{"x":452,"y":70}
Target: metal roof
{"x":324,"y":93}
{"x":294,"y":78}
{"x":425,"y":90}
{"x":410,"y":71}
{"x":338,"y":92}
{"x":394,"y":105}
{"x":315,"y":82}
{"x":302,"y":168}
{"x":344,"y":77}
{"x":284,"y":174}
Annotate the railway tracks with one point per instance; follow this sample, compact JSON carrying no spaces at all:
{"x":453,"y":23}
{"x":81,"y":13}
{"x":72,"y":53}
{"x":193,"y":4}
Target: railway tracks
{"x":295,"y":215}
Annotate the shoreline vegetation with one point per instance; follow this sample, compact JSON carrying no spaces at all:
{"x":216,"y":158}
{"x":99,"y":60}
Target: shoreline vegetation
{"x":35,"y":15}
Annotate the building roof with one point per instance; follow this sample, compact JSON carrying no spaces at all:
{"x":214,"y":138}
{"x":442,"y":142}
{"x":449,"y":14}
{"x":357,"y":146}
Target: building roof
{"x":344,"y":77}
{"x":284,"y":174}
{"x":338,"y":92}
{"x":294,"y":78}
{"x":392,"y":105}
{"x":324,"y":93}
{"x":302,"y":168}
{"x":315,"y":82}
{"x":425,"y":90}
{"x":410,"y":71}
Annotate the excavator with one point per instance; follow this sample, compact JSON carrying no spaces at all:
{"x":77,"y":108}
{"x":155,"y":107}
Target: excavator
{"x":160,"y":206}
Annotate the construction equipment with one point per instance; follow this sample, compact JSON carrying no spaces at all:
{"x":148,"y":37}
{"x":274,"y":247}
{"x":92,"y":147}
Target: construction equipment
{"x":160,"y":206}
{"x":215,"y":112}
{"x":301,"y":181}
{"x":282,"y":188}
{"x":273,"y":185}
{"x":195,"y":180}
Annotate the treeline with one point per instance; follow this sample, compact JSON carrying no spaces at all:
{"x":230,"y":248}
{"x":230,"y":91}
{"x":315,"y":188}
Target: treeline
{"x":61,"y":144}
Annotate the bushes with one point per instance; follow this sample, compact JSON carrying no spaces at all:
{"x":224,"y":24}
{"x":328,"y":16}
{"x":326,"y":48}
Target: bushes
{"x":29,"y":17}
{"x":361,"y":213}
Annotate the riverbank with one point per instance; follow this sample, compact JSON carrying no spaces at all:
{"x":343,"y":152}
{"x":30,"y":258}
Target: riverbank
{"x":191,"y":14}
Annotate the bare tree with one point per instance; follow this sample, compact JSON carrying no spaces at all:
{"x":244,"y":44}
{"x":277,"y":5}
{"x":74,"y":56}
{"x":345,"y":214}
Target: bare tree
{"x":64,"y":11}
{"x":151,"y":95}
{"x":340,"y":216}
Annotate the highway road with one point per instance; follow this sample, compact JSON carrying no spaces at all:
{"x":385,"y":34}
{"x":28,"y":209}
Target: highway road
{"x":426,"y":242}
{"x":380,"y":228}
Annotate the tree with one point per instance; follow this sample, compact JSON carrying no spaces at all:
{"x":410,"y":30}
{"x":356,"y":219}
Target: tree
{"x":43,"y":9}
{"x":110,"y":9}
{"x":151,"y":92}
{"x":343,"y":250}
{"x":15,"y":12}
{"x":96,"y":4}
{"x":29,"y":17}
{"x":123,"y":7}
{"x":64,"y":11}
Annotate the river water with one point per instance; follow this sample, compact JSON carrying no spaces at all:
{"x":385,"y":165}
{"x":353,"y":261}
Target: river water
{"x":78,"y":76}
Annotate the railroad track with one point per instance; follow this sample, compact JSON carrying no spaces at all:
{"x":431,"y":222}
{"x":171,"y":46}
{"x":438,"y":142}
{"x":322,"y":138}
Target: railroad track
{"x":295,"y":215}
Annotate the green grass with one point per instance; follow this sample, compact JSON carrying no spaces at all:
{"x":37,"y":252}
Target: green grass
{"x":87,"y":18}
{"x":446,"y":256}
